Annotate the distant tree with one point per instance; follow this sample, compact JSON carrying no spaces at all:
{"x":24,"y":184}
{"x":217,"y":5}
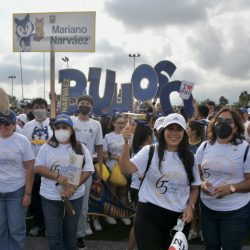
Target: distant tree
{"x":244,"y":98}
{"x":223,"y":101}
{"x":13,"y":100}
{"x":204,"y":102}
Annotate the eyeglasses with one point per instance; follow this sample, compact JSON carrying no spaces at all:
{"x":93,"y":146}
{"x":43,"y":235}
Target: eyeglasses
{"x":3,"y":123}
{"x":64,"y":127}
{"x":227,"y":120}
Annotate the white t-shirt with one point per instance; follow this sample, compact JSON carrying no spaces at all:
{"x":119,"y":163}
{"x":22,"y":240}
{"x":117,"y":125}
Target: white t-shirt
{"x":223,"y":164}
{"x":113,"y":143}
{"x":57,"y":159}
{"x":14,"y":150}
{"x":169,"y":188}
{"x":37,"y":133}
{"x":19,"y":130}
{"x":88,"y":133}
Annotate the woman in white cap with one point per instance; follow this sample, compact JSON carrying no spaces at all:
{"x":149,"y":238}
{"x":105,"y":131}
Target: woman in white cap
{"x":16,"y":180}
{"x":57,"y":162}
{"x":20,"y":122}
{"x":170,"y":186}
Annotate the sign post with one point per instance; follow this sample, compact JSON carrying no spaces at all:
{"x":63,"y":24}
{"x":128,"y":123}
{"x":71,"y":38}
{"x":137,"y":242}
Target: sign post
{"x":54,"y":32}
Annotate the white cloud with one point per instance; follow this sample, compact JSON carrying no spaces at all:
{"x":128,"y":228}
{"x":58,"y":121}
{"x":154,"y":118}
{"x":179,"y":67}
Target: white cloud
{"x":208,"y":41}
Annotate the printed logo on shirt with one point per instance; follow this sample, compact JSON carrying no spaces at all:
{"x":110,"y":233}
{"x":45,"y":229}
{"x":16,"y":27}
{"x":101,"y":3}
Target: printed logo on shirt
{"x":40,"y":133}
{"x":171,"y":183}
{"x":218,"y":169}
{"x":55,"y":167}
{"x":115,"y":149}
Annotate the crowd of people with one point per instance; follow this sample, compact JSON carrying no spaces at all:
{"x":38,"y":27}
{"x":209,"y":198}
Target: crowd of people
{"x":194,"y":169}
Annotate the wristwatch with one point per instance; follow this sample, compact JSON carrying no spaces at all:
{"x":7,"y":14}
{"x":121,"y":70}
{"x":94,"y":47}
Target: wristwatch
{"x":232,"y":188}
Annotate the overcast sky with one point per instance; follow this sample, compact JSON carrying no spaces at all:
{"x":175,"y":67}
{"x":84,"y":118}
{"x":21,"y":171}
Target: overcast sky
{"x":208,"y":41}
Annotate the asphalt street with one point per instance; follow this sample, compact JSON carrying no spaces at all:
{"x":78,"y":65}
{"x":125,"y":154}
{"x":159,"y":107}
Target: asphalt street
{"x":40,"y":243}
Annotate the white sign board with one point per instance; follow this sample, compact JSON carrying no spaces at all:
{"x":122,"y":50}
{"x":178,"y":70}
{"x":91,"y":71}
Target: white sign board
{"x":186,"y":89}
{"x":59,"y":32}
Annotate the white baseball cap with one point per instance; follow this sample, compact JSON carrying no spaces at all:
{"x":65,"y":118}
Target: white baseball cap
{"x":174,"y":119}
{"x":23,"y":118}
{"x":159,"y":122}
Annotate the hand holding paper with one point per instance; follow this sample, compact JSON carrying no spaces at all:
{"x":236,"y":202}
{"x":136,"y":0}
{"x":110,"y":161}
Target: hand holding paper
{"x":127,"y":134}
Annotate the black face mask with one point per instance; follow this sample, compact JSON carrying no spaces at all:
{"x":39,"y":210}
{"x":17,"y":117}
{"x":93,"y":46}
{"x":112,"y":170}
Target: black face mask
{"x":84,"y":110}
{"x":223,"y":130}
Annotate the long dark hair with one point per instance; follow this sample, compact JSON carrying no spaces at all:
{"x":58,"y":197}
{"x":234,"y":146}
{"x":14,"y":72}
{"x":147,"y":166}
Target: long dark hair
{"x":142,"y":132}
{"x":237,"y":137}
{"x":183,"y":151}
{"x":76,"y":145}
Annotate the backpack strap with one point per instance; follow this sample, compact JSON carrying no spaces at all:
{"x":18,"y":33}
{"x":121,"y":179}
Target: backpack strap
{"x":205,"y":145}
{"x":150,"y":156}
{"x":246,"y":152}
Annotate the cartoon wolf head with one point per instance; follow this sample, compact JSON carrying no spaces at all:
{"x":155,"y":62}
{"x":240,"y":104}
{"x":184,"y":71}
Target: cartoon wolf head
{"x":24,"y":27}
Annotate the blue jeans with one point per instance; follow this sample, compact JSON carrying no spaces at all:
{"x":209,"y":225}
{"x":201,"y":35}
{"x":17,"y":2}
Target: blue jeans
{"x":12,"y":220}
{"x":224,"y":229}
{"x":85,"y":207}
{"x":61,"y":227}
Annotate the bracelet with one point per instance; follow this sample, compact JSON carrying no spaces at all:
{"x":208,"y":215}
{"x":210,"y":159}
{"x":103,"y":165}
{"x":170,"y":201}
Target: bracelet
{"x":28,"y":194}
{"x":57,"y":177}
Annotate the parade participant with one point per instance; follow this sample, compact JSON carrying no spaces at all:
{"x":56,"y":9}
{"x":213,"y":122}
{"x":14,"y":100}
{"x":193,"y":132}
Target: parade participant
{"x":157,"y":127}
{"x":211,"y":108}
{"x":224,"y":163}
{"x":37,"y":131}
{"x":142,"y":135}
{"x":196,"y":135}
{"x":20,"y":122}
{"x":16,"y":179}
{"x":53,"y":163}
{"x":112,"y":148}
{"x":88,"y":132}
{"x":170,"y":186}
{"x":244,"y":117}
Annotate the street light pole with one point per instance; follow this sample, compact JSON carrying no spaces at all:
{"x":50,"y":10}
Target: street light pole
{"x":66,"y":59}
{"x":134,"y":56}
{"x":12,"y":79}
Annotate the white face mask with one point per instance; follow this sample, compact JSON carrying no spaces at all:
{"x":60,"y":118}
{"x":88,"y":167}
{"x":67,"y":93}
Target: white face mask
{"x":62,"y":135}
{"x":40,"y":114}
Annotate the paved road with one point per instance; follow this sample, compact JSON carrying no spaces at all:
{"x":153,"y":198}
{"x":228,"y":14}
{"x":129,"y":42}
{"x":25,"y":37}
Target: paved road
{"x":40,"y":243}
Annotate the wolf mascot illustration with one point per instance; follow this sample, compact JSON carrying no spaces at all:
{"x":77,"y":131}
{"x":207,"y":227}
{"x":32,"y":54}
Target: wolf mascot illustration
{"x":24,"y":29}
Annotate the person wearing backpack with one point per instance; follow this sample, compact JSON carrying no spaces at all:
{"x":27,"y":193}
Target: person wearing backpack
{"x":170,"y":184}
{"x":224,"y":164}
